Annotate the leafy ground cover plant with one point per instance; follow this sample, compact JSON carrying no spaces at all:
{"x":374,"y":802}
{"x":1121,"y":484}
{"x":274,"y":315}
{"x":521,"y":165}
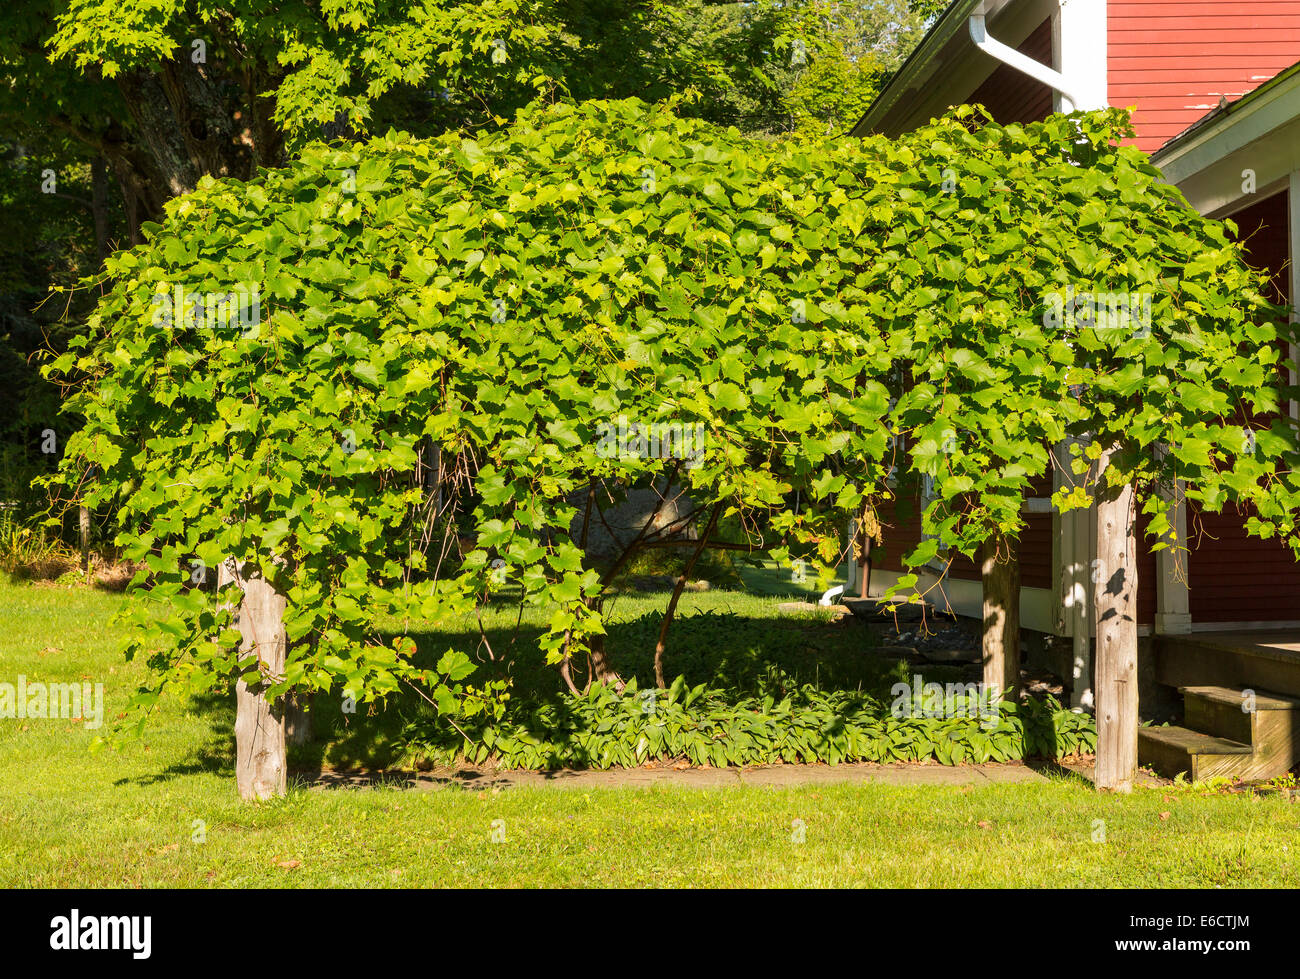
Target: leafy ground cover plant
{"x":604,"y":728}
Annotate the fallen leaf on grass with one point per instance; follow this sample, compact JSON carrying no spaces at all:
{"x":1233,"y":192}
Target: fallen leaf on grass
{"x":1164,"y":816}
{"x":289,"y":864}
{"x":167,"y":849}
{"x":984,"y":824}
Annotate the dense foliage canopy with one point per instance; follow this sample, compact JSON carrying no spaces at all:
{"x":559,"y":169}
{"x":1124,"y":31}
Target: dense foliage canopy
{"x":836,"y":316}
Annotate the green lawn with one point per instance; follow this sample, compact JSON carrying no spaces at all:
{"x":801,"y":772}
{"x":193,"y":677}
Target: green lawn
{"x":129,"y":816}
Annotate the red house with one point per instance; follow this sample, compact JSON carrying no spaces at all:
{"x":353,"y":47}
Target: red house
{"x":1215,"y":93}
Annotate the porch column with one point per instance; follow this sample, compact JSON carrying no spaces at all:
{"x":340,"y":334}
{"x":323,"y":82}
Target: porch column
{"x":1173,"y":611}
{"x":1075,"y":538}
{"x":1293,"y":254}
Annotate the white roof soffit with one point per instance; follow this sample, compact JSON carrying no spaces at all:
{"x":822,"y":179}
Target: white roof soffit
{"x":951,"y":30}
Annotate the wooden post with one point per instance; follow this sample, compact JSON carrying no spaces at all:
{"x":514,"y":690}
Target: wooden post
{"x":864,"y":568}
{"x":1000,"y":579}
{"x":83,"y":526}
{"x":1115,"y":602}
{"x":261,"y":767}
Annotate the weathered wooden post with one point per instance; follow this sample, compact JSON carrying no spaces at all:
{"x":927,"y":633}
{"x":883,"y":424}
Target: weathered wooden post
{"x":1000,"y":579}
{"x":261,"y":763}
{"x":1115,"y":602}
{"x":83,"y":527}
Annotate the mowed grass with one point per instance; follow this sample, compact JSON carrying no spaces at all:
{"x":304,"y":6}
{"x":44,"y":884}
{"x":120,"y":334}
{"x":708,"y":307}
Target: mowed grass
{"x":134,"y":815}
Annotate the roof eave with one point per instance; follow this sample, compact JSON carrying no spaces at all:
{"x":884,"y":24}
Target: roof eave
{"x":950,"y":22}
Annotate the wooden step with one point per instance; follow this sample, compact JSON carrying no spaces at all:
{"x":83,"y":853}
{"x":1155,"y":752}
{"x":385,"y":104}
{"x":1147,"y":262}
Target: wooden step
{"x":1238,"y":714}
{"x":1267,"y":660}
{"x":1172,"y":750}
{"x":1269,"y":722}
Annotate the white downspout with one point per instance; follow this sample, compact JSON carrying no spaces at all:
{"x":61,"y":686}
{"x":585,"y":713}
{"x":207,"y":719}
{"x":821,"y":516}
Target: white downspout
{"x":1022,"y":63}
{"x":1083,"y":56}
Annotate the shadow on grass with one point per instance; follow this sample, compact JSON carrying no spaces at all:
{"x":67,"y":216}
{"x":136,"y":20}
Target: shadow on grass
{"x":215,"y":756}
{"x":1054,"y":769}
{"x":726,"y":651}
{"x":732,"y":653}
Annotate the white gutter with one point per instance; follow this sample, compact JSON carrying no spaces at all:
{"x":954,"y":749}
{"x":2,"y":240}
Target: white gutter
{"x":1082,"y":29}
{"x":1022,"y":63}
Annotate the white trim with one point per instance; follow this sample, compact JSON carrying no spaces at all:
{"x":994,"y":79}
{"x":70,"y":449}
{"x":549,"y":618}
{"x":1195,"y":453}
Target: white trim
{"x":1076,"y":545}
{"x":953,"y":69}
{"x":1255,"y":626}
{"x":1083,"y":52}
{"x":965,"y":597}
{"x":1173,"y":600}
{"x":1293,"y":257}
{"x":1263,"y":136}
{"x":1258,"y":117}
{"x":1022,"y":63}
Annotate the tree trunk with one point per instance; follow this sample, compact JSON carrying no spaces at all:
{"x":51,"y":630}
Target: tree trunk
{"x":661,"y":647}
{"x":601,"y":669}
{"x":260,"y":764}
{"x":1001,"y":644}
{"x":83,"y":527}
{"x":1115,"y":603}
{"x":184,"y":123}
{"x":99,"y":208}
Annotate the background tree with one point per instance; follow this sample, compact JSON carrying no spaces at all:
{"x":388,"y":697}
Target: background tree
{"x":58,"y":222}
{"x":852,"y":50}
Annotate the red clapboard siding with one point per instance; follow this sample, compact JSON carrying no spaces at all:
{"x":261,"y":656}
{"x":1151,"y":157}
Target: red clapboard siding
{"x":1234,"y":577}
{"x":1174,"y":61}
{"x":901,"y":532}
{"x":1013,"y":97}
{"x":1035,"y":544}
{"x":1036,"y":540}
{"x":1189,"y":25}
